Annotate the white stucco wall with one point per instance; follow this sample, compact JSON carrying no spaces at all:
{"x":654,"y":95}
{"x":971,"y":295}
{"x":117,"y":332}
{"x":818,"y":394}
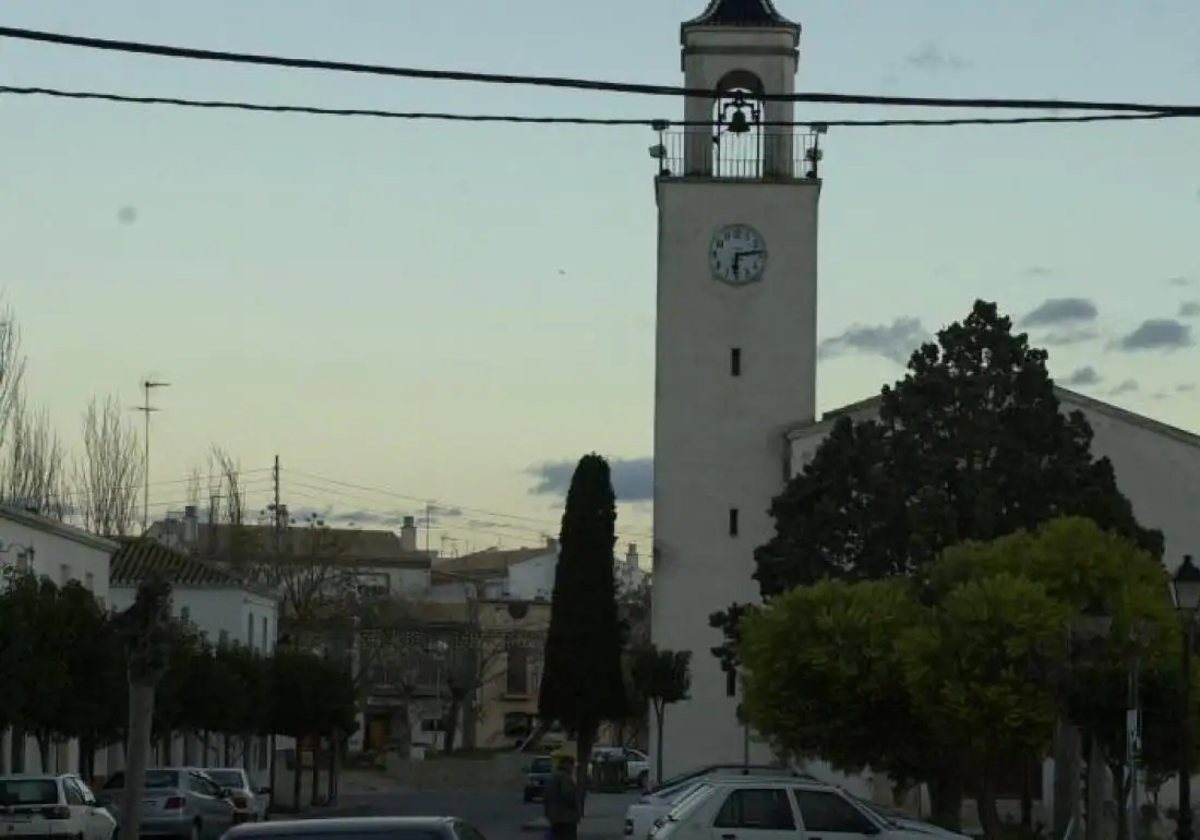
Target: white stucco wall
{"x":533,"y":578}
{"x":61,"y":553}
{"x":718,"y":441}
{"x":220,"y":613}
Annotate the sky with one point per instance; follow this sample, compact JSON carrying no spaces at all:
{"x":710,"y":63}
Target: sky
{"x":406,"y":312}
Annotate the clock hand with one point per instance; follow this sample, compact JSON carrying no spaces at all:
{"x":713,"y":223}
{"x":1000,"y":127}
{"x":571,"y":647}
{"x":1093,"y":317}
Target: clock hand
{"x":737,"y":258}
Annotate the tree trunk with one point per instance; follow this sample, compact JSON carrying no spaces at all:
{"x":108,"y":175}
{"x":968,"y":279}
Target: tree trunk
{"x":584,"y":741}
{"x":1066,"y":775}
{"x":44,"y":741}
{"x":450,"y":723}
{"x":658,"y":745}
{"x":137,"y":755}
{"x":985,"y":803}
{"x":315,"y":794}
{"x":1027,"y":795}
{"x":298,"y":775}
{"x":946,"y":800}
{"x":1096,"y":782}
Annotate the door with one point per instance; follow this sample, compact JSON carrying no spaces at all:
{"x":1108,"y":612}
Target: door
{"x":81,"y":814}
{"x":829,"y":816}
{"x":100,"y":822}
{"x":216,"y":813}
{"x":756,"y":814}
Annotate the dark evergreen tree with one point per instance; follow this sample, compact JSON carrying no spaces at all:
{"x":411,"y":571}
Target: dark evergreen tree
{"x":583,"y":682}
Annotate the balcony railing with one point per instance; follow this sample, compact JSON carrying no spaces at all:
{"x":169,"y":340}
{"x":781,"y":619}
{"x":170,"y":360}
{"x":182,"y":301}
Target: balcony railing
{"x":760,"y":154}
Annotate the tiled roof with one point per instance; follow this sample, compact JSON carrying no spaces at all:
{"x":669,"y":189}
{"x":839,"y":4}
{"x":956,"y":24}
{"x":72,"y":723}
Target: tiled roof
{"x":490,"y":561}
{"x":351,"y":546}
{"x":742,"y":13}
{"x":138,"y":559}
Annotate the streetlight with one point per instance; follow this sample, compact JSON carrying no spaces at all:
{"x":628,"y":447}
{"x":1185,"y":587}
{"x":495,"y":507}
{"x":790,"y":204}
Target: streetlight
{"x":1186,"y":586}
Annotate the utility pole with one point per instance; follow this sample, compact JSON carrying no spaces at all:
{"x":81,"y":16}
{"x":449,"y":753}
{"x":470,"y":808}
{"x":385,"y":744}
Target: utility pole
{"x":277,"y":530}
{"x":148,"y":385}
{"x":428,"y":518}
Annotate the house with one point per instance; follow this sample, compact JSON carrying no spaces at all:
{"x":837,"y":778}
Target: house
{"x":522,"y":574}
{"x":30,"y":542}
{"x":224,"y":607}
{"x":372,"y":562}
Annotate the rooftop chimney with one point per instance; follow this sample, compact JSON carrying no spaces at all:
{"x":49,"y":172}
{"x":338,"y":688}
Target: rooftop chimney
{"x":408,"y":534}
{"x":631,"y":556}
{"x":190,"y":525}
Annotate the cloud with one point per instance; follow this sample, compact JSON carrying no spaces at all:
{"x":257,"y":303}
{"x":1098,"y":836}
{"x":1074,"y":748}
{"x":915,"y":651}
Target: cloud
{"x":381,"y":519}
{"x":1164,"y":334}
{"x":1180,"y":281}
{"x":633,"y":478}
{"x":1069,"y":336}
{"x":1054,"y":312}
{"x":1185,"y":388}
{"x":895,"y":341}
{"x":1128,"y":386}
{"x":1083,"y":376}
{"x":1037,"y":271}
{"x":931,"y":58}
{"x":1189,"y":309}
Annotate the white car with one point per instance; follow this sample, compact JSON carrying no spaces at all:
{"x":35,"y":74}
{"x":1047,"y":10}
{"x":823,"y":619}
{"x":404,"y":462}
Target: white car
{"x":249,"y":800}
{"x":654,"y":805}
{"x":45,"y":806}
{"x":637,"y":763}
{"x":775,"y":809}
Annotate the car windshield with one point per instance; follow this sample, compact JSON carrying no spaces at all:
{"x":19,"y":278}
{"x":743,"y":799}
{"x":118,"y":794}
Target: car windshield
{"x":228,"y":778}
{"x":682,"y":803}
{"x":888,"y":815}
{"x":719,"y":770}
{"x":155,"y":779}
{"x":28,"y":792}
{"x":541,"y":765}
{"x":672,"y":795}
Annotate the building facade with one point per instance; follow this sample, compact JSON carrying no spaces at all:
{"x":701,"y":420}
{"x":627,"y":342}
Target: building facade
{"x":62,"y":553}
{"x":736,"y":343}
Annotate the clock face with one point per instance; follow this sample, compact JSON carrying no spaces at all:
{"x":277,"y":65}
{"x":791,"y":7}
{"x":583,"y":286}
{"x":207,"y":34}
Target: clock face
{"x":738,"y":255}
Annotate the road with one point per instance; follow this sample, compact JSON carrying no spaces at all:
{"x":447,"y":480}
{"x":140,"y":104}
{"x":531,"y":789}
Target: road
{"x":498,"y":816}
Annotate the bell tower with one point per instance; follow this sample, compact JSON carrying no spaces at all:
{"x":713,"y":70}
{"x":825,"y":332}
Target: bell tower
{"x":735,"y":346}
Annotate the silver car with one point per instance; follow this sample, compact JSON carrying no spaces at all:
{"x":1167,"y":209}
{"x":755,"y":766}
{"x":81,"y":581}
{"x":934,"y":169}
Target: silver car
{"x":178,"y":802}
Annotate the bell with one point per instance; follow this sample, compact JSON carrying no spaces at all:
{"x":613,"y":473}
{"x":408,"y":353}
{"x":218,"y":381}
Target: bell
{"x":739,"y":124}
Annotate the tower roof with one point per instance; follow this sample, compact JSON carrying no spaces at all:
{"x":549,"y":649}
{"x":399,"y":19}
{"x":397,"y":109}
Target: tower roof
{"x":752,"y":13}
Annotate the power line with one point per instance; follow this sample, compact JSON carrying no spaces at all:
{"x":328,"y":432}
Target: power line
{"x":434,"y":116}
{"x":194,"y":54}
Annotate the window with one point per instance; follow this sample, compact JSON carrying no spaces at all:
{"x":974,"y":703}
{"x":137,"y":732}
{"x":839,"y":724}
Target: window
{"x":89,"y":580}
{"x":185,"y":614}
{"x":826,"y":811}
{"x":517,"y":668}
{"x":764,"y":809}
{"x":731,"y":683}
{"x":250,"y":631}
{"x":733,"y":522}
{"x":72,"y":794}
{"x":264,"y":633}
{"x":29,"y":792}
{"x":735,"y":361}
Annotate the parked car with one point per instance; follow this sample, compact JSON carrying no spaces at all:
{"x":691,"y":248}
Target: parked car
{"x":249,"y":800}
{"x":46,"y":806}
{"x":799,"y":809}
{"x":637,"y":763}
{"x":178,"y":802}
{"x":642,"y":816}
{"x":359,"y":828}
{"x":730,"y":770}
{"x":535,"y":778}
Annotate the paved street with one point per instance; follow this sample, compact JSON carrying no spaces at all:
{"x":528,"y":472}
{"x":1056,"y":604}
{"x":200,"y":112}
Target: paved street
{"x":498,"y":816}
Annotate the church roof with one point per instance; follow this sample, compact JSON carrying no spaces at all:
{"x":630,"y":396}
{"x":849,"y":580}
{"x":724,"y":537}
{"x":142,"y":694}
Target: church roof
{"x":754,"y":13}
{"x":870,"y":405}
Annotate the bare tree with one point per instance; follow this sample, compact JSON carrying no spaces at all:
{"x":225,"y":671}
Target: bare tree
{"x":33,"y":471}
{"x":110,"y":471}
{"x":12,"y":369}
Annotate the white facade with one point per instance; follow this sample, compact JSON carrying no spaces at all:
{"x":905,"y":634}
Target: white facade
{"x":529,"y":578}
{"x":61,"y":553}
{"x":227,"y":614}
{"x":736,"y":364}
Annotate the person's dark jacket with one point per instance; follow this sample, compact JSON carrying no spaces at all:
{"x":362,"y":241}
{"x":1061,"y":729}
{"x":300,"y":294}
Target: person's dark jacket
{"x":560,"y":798}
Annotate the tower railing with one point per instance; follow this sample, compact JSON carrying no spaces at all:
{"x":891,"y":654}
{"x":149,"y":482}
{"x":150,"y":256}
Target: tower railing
{"x":740,"y":157}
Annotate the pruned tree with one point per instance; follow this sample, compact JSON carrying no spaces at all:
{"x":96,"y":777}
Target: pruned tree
{"x":34,"y":468}
{"x":147,"y":630}
{"x":109,"y":472}
{"x":583,"y":684}
{"x":663,"y":677}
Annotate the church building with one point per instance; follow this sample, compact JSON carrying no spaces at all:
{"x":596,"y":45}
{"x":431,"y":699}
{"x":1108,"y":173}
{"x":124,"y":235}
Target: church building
{"x":736,"y":353}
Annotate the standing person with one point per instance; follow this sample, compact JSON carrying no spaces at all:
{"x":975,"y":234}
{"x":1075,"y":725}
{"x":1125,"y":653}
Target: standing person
{"x":560,"y":800}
